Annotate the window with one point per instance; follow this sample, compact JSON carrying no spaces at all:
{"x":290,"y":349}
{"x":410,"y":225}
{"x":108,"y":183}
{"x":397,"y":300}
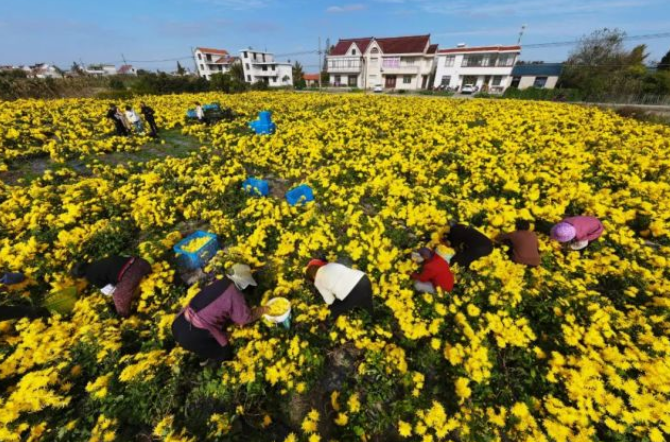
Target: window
{"x":265,"y":68}
{"x":245,"y":55}
{"x":408,"y":61}
{"x":391,"y":62}
{"x":353,"y":80}
{"x":406,"y":79}
{"x":199,"y":56}
{"x":473,"y":60}
{"x":374,"y":61}
{"x":505,"y":60}
{"x":374,"y":51}
{"x":246,"y":66}
{"x":338,"y":79}
{"x":449,"y":60}
{"x":497,"y":80}
{"x":202,"y":67}
{"x":446,"y":80}
{"x":263,"y":58}
{"x":345,"y":64}
{"x":273,"y":67}
{"x":209,"y":57}
{"x":248,"y":77}
{"x":353,"y":52}
{"x":540,"y":82}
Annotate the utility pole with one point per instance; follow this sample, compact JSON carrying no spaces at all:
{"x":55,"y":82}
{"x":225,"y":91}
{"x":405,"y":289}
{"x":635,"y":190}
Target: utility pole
{"x":320,"y":61}
{"x":123,"y":57}
{"x":195,"y":62}
{"x":523,"y":28}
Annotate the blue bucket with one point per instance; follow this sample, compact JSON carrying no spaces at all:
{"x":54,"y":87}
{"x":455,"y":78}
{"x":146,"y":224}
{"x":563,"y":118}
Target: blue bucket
{"x":197,"y":259}
{"x":257,"y":187}
{"x":300,"y":195}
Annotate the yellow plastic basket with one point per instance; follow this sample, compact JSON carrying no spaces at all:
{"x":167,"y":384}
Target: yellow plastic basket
{"x":61,"y":301}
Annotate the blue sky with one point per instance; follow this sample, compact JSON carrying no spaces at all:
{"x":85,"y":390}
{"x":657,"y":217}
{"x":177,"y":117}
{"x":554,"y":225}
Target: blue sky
{"x":63,"y":31}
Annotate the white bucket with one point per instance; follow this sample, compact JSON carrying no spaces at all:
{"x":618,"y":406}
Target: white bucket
{"x":281,"y":318}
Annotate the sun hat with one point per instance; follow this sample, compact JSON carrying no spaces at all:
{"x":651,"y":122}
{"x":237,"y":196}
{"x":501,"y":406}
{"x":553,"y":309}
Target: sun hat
{"x":240,"y":274}
{"x":563,"y":232}
{"x":579,"y":245}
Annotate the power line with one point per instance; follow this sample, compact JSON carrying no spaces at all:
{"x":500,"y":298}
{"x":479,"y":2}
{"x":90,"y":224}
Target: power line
{"x":316,"y":51}
{"x":570,"y":43}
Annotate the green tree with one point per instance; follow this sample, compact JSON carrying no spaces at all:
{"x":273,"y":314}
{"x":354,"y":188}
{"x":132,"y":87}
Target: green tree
{"x":601,"y":68}
{"x":664,"y":64}
{"x":236,"y":71}
{"x":298,"y":76}
{"x":220,"y":82}
{"x":180,"y":69}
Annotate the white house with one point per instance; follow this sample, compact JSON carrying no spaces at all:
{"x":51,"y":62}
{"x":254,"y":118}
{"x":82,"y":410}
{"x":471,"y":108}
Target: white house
{"x":127,"y":69}
{"x":261,"y":66}
{"x":539,"y":75}
{"x":402,"y":63}
{"x":212,"y":61}
{"x":489,"y":68}
{"x":101,"y":70}
{"x":42,"y":70}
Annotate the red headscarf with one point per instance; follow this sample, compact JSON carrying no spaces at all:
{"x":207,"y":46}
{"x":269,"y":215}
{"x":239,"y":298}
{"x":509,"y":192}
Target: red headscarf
{"x":316,"y":262}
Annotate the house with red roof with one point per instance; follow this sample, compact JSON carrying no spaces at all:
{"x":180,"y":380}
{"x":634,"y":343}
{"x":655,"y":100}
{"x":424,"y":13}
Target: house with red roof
{"x":211,"y":61}
{"x":476,"y":69}
{"x":395,"y":63}
{"x":311,"y":80}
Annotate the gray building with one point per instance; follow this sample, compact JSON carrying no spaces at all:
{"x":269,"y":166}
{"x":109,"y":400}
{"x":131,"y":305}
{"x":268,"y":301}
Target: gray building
{"x":539,"y":75}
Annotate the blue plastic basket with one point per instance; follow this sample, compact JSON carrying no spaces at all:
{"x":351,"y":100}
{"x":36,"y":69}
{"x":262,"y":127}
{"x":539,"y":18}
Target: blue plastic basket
{"x":191,"y":113}
{"x":197,"y":259}
{"x":211,"y":106}
{"x":300,"y":195}
{"x":257,"y":187}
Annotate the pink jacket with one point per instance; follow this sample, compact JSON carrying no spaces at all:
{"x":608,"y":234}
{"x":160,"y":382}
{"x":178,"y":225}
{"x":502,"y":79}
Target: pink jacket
{"x":588,"y":227}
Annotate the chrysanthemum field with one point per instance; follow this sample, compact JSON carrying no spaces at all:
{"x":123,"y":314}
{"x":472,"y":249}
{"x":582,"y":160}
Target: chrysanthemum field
{"x":575,"y":350}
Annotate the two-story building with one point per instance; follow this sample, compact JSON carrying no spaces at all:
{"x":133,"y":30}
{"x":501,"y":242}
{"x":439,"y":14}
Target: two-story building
{"x":487,"y":68}
{"x":101,"y":70}
{"x":262,"y":66}
{"x":402,"y":63}
{"x":212,"y":61}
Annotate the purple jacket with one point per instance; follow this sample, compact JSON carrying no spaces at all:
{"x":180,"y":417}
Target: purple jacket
{"x":215,"y":306}
{"x":588,"y":227}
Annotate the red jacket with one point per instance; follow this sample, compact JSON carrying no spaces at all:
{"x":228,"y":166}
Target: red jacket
{"x":436,"y":271}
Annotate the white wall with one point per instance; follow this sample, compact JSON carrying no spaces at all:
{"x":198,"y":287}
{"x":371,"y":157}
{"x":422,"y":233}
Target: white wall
{"x":528,"y":81}
{"x":457,"y":71}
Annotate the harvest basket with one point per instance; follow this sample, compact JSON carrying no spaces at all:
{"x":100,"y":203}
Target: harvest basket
{"x":61,"y":301}
{"x":200,"y":257}
{"x":283,"y":318}
{"x":300,"y":195}
{"x":254,"y":186}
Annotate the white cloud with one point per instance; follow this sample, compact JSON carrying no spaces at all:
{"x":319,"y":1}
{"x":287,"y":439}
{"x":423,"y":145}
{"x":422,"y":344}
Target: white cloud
{"x":346,"y":8}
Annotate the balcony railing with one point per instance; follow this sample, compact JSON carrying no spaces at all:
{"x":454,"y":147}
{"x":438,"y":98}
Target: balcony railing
{"x":344,"y":65}
{"x":344,"y":69}
{"x":401,"y":69}
{"x":267,"y":73}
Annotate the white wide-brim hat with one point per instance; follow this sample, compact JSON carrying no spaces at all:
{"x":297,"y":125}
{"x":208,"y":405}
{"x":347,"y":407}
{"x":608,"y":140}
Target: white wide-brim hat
{"x":579,"y":245}
{"x":240,"y":274}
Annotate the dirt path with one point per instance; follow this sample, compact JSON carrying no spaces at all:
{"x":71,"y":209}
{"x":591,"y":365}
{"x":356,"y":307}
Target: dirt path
{"x":176,"y":145}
